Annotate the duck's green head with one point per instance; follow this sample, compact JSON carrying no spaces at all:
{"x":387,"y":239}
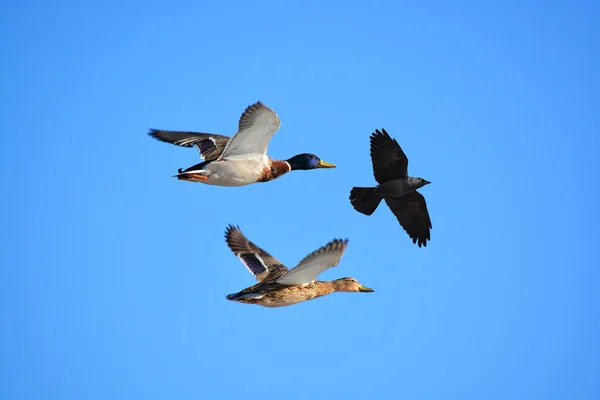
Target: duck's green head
{"x":308,"y":161}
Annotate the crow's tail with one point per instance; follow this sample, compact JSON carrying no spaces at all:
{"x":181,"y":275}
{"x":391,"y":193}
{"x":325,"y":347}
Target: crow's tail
{"x":365,"y":200}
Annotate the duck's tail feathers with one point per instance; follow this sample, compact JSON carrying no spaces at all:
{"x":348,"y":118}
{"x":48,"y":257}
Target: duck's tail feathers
{"x":365,"y":200}
{"x":191,"y":177}
{"x":244,"y":296}
{"x":194,"y":173}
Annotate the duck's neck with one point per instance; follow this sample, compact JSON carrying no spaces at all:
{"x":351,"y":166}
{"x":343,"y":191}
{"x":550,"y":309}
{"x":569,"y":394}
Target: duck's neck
{"x":277,"y":168}
{"x":324,"y":287}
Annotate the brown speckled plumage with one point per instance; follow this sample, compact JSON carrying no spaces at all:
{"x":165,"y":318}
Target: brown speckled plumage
{"x":268,"y":270}
{"x":277,"y":295}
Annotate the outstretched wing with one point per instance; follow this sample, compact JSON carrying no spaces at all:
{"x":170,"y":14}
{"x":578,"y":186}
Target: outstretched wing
{"x":257,"y":126}
{"x":312,"y":265}
{"x":210,"y":145}
{"x":389,"y":161}
{"x":260,"y":263}
{"x":411,"y":212}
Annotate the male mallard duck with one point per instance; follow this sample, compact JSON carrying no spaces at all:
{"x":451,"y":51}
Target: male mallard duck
{"x":242,"y":159}
{"x":277,"y":286}
{"x":390,"y":167}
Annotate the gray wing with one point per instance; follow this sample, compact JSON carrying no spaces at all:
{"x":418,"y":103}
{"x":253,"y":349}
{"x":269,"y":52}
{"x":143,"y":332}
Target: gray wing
{"x":411,"y":212}
{"x":260,"y":263}
{"x":389,"y":161}
{"x":312,"y":265}
{"x":210,"y":145}
{"x":257,"y":126}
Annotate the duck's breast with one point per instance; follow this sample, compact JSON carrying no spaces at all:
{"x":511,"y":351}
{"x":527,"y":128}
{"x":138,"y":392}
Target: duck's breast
{"x":236,"y":172}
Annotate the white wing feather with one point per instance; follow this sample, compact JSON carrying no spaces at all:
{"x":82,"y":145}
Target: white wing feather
{"x":257,"y":126}
{"x":312,"y":265}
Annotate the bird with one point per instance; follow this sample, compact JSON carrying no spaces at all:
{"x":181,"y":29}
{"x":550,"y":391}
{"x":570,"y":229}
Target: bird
{"x":390,"y":167}
{"x":242,"y":159}
{"x":277,"y":286}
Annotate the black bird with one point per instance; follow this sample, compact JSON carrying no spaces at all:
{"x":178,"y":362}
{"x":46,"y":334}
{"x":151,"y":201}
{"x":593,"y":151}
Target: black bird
{"x":390,"y":167}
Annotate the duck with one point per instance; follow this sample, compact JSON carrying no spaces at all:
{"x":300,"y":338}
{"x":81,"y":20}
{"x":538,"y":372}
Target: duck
{"x":241,"y":159}
{"x":390,"y":168}
{"x":279,"y":286}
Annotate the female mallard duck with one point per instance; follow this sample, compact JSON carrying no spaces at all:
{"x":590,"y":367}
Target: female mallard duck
{"x":277,"y":286}
{"x":242,"y":159}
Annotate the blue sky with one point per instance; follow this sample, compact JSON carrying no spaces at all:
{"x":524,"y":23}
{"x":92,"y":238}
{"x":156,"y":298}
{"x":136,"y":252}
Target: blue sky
{"x":114,"y":275}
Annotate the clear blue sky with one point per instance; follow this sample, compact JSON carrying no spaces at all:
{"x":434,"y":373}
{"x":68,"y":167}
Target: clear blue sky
{"x":114,"y":275}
